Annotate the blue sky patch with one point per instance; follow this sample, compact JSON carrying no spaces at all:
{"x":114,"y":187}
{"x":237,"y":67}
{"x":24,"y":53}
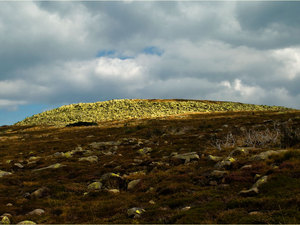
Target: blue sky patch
{"x":152,"y":50}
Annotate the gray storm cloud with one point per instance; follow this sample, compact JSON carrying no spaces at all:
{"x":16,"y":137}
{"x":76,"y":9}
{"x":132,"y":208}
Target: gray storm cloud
{"x":239,"y":51}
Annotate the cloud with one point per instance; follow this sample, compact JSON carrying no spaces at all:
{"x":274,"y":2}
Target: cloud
{"x":66,"y":52}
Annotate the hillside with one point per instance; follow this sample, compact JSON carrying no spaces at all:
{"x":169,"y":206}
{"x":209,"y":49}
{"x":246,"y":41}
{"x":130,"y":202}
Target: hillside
{"x":225,"y":167}
{"x":129,"y":109}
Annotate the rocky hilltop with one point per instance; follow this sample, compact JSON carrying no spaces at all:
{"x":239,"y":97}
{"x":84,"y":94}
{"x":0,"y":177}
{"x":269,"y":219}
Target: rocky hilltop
{"x":136,"y":108}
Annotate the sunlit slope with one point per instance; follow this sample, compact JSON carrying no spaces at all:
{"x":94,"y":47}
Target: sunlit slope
{"x":129,"y":109}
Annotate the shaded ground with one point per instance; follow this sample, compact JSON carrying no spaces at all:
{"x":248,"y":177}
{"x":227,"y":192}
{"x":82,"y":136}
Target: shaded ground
{"x":225,"y":157}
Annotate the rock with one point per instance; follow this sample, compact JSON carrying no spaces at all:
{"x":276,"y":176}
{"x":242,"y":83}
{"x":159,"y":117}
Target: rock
{"x":36,"y":212}
{"x":9,"y":204}
{"x":97,"y":145}
{"x":33,"y":158}
{"x":248,"y":193}
{"x":54,"y":166}
{"x":260,"y":181}
{"x":95,"y":186}
{"x":218,"y":173}
{"x":214,"y":158}
{"x":132,"y":184}
{"x":245,"y":167}
{"x":4,"y":220}
{"x":113,"y":181}
{"x":187,"y":208}
{"x":213,"y":183}
{"x":226,"y":163}
{"x":152,"y":202}
{"x":91,"y":159}
{"x":135,"y":212}
{"x":18,"y":165}
{"x":255,"y":213}
{"x":267,"y":154}
{"x":254,"y":190}
{"x":187,"y":157}
{"x":4,"y":173}
{"x":26,"y":222}
{"x":41,"y":192}
{"x":27,"y":195}
{"x":145,"y":150}
{"x":114,"y":191}
{"x":238,"y":152}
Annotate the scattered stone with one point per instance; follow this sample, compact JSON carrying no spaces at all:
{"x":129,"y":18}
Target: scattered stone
{"x":135,"y":212}
{"x":132,"y":184}
{"x":27,"y":195}
{"x":255,"y":213}
{"x":260,"y":181}
{"x":7,"y":214}
{"x":145,"y":150}
{"x":246,"y":167}
{"x":248,"y":193}
{"x":113,"y":181}
{"x":213,"y":183}
{"x":33,"y":158}
{"x":267,"y":154}
{"x":9,"y":204}
{"x":41,"y":192}
{"x":95,"y":186}
{"x":238,"y":152}
{"x":218,"y":173}
{"x":36,"y":212}
{"x":187,"y":157}
{"x":214,"y":158}
{"x":97,"y":145}
{"x":4,"y":173}
{"x":254,"y":189}
{"x":226,"y":163}
{"x":257,"y":176}
{"x":4,"y":220}
{"x":91,"y":159}
{"x":18,"y":165}
{"x":26,"y":222}
{"x":54,"y":166}
{"x":114,"y":191}
{"x":187,"y":208}
{"x":152,"y":202}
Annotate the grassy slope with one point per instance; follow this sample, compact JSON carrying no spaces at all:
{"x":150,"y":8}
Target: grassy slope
{"x":128,"y":109}
{"x":170,"y":185}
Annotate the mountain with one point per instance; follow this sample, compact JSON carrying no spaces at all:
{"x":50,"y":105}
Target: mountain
{"x":136,"y":108}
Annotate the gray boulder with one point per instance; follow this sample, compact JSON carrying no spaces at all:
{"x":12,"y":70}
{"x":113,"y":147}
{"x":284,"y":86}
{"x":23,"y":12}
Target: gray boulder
{"x":187,"y":157}
{"x":54,"y":166}
{"x":267,"y":154}
{"x":36,"y":212}
{"x":214,"y":158}
{"x":225,"y":163}
{"x":135,"y":212}
{"x":254,"y":189}
{"x":91,"y":159}
{"x":132,"y":184}
{"x":4,"y":173}
{"x":41,"y":192}
{"x":113,"y":181}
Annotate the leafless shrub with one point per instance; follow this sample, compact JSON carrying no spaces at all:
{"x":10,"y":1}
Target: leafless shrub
{"x":228,"y":142}
{"x":261,"y":138}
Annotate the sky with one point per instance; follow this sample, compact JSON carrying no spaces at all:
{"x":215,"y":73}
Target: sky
{"x":64,"y":52}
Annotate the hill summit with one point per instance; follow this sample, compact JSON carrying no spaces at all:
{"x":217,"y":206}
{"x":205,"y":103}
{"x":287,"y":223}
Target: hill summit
{"x":123,"y":109}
